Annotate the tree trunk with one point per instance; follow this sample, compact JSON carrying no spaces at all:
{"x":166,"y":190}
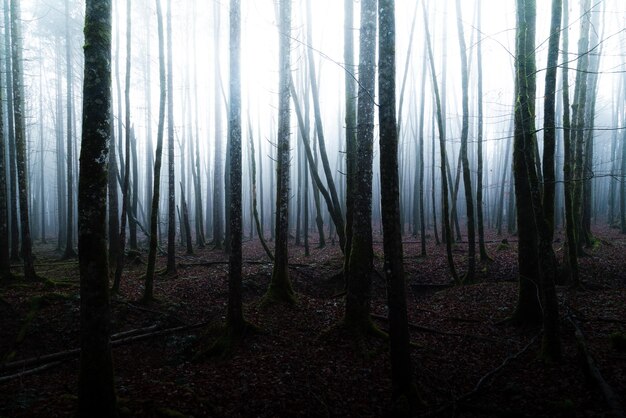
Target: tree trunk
{"x":20,"y":140}
{"x":401,"y":366}
{"x":96,"y":397}
{"x":280,"y":289}
{"x":467,"y":179}
{"x":5,"y":261}
{"x":218,"y":168}
{"x":571,"y":252}
{"x":528,"y":310}
{"x":171,"y":197}
{"x":447,"y":232}
{"x":154,"y":212}
{"x":69,"y":239}
{"x":479,"y":138}
{"x":360,"y":265}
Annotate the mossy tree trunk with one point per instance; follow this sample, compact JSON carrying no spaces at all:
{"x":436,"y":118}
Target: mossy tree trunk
{"x":401,"y":366}
{"x":528,"y":309}
{"x":96,"y":397}
{"x":361,"y":257}
{"x":280,"y":289}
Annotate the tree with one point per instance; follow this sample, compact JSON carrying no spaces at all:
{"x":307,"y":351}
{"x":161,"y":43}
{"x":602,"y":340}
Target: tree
{"x":5,"y":261}
{"x":234,"y":319}
{"x":20,"y":140}
{"x":69,"y":235}
{"x":401,"y":366}
{"x":350,"y":99}
{"x":218,"y":167}
{"x":154,"y":211}
{"x":171,"y":196}
{"x":361,"y":257}
{"x":280,"y":289}
{"x":119,"y":265}
{"x":96,"y":396}
{"x":467,"y":179}
{"x":439,"y":115}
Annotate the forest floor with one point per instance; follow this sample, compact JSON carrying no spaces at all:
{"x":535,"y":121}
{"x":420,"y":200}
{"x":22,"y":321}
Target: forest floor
{"x":467,"y":361}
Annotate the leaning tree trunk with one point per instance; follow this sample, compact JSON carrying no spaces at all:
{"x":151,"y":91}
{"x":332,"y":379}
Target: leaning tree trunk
{"x":20,"y":140}
{"x":280,"y":289}
{"x":96,"y":396}
{"x":447,"y":232}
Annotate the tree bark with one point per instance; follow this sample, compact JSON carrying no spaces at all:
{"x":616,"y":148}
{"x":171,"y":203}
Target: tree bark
{"x":171,"y":197}
{"x":280,"y":289}
{"x":96,"y":396}
{"x":401,"y":366}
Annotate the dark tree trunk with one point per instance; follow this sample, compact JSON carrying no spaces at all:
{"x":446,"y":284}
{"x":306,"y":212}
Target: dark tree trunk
{"x":20,"y":140}
{"x":280,"y":289}
{"x":5,"y":261}
{"x":571,"y":252}
{"x":479,"y":138}
{"x":528,"y":308}
{"x":69,"y":234}
{"x":235,"y":320}
{"x":171,"y":197}
{"x":218,"y":167}
{"x":96,"y":397}
{"x":350,"y":99}
{"x":447,"y":230}
{"x":360,"y":265}
{"x":154,"y":212}
{"x":401,"y":366}
{"x":14,"y":221}
{"x":185,"y":220}
{"x":467,"y":179}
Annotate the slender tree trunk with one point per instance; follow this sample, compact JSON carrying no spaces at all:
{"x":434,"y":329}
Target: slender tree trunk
{"x":185,"y":220}
{"x":14,"y":225}
{"x":421,"y":162}
{"x":69,"y":240}
{"x":467,"y":179}
{"x":280,"y":289}
{"x":20,"y":140}
{"x":218,"y":173}
{"x":479,"y":138}
{"x":447,"y":232}
{"x":5,"y":261}
{"x":335,"y":207}
{"x":350,"y":120}
{"x":171,"y":198}
{"x":119,"y":266}
{"x":571,"y":252}
{"x":96,"y":393}
{"x":154,"y":212}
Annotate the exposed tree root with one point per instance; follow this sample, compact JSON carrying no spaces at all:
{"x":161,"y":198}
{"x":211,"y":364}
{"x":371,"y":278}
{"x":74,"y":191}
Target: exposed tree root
{"x":593,"y":372}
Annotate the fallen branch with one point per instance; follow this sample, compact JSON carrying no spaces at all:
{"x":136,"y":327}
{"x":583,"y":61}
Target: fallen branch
{"x":29,"y":371}
{"x":436,"y":331}
{"x":482,"y":382}
{"x":116,"y":339}
{"x":593,"y":372}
